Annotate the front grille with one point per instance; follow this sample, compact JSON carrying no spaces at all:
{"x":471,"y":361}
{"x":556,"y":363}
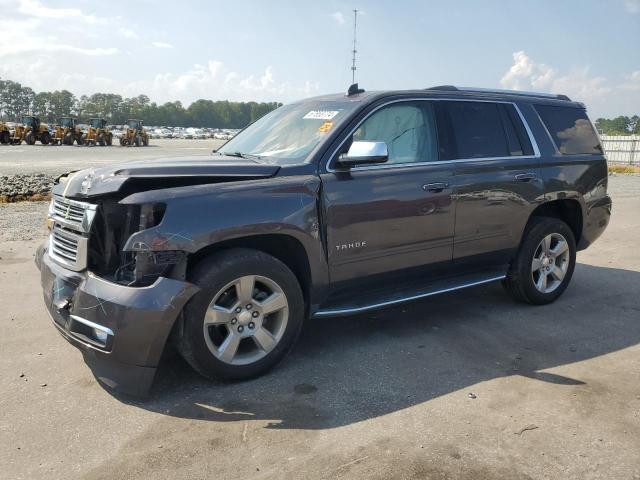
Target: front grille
{"x":68,"y":248}
{"x":72,"y":214}
{"x":69,"y":237}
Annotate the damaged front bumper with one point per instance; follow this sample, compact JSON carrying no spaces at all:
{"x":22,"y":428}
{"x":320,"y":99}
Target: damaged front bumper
{"x":120,"y":330}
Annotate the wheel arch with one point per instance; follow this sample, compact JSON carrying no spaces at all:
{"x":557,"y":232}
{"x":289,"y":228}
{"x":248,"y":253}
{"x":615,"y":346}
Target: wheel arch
{"x":568,"y":210}
{"x":286,"y":248}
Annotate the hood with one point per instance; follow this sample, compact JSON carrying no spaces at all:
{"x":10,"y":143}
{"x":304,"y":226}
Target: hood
{"x":155,"y":174}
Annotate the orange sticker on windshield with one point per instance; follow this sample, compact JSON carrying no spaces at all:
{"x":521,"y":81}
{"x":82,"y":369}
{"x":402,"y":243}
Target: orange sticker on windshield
{"x":325,"y":127}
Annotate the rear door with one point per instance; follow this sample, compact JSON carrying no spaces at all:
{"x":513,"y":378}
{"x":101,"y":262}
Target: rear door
{"x":498,"y":180}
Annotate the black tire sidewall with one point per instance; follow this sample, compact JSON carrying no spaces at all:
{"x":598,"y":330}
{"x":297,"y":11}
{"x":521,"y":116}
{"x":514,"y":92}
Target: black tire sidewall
{"x":211,"y":275}
{"x":539,"y":229}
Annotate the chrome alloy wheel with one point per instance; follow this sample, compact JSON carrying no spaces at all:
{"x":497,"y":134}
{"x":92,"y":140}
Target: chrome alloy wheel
{"x":550,"y":263}
{"x":245,"y":320}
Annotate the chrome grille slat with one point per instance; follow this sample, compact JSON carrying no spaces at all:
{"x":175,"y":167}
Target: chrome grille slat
{"x":68,"y":241}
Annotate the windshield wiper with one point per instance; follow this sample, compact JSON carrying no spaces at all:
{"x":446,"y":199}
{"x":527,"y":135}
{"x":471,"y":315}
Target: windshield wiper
{"x":249,"y":156}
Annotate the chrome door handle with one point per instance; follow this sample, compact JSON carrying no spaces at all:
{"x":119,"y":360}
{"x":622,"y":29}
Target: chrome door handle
{"x":435,"y":187}
{"x":525,"y":177}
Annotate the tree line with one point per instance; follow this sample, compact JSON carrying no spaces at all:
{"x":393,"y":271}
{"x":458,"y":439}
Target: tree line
{"x":619,"y":126}
{"x":16,"y":99}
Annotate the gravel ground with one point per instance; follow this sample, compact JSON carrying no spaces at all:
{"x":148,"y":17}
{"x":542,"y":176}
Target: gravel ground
{"x":22,"y":221}
{"x":465,"y":386}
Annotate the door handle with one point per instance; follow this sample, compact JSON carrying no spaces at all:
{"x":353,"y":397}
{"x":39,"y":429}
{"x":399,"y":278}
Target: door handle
{"x":525,"y":177}
{"x":435,"y":187}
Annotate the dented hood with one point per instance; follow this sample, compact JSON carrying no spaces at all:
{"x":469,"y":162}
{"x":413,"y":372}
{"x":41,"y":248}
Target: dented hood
{"x":163,"y":173}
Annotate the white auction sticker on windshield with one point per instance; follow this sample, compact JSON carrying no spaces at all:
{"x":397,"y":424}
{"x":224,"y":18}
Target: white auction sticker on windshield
{"x":321,"y":114}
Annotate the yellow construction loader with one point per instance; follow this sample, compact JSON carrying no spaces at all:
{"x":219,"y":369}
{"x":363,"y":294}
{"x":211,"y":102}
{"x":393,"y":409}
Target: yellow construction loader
{"x":98,"y":133}
{"x":30,"y":131}
{"x":5,"y":134}
{"x":67,"y":131}
{"x":135,"y":134}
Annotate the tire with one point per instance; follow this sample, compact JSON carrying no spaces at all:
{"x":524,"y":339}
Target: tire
{"x":68,"y":139}
{"x":30,"y":139}
{"x":101,"y":141}
{"x":83,"y":139}
{"x":122,"y":141}
{"x":138,"y":140}
{"x":5,"y":138}
{"x":145,"y":141}
{"x":540,"y":275}
{"x":109,"y":140}
{"x":203,"y":347}
{"x":45,"y":138}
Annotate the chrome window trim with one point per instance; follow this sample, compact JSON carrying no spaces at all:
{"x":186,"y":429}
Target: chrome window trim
{"x":534,"y":144}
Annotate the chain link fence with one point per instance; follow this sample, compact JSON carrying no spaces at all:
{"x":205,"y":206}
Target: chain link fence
{"x":622,"y":149}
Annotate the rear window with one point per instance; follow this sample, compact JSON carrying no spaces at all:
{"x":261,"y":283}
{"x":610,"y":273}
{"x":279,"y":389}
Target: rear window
{"x":485,"y":130}
{"x":570,"y":129}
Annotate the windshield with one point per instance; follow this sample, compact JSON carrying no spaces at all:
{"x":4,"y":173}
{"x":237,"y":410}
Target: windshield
{"x":135,"y":124}
{"x":66,"y":122}
{"x":96,"y":123}
{"x":288,"y":134}
{"x":27,"y":121}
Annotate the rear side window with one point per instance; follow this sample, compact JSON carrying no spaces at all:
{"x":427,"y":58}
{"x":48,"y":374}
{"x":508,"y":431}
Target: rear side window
{"x":484,"y":130}
{"x":570,"y":129}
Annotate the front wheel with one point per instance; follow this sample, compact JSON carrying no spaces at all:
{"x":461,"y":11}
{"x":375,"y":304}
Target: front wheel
{"x":30,"y":139}
{"x":545,"y":262}
{"x":246,"y":317}
{"x":45,"y":138}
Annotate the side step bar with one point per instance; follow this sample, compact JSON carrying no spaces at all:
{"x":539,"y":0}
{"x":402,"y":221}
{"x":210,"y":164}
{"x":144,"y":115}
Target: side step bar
{"x":436,"y":289}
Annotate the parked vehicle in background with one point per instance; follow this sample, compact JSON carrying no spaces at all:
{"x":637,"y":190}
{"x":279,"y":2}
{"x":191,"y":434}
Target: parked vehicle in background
{"x":31,"y":130}
{"x":135,"y":134}
{"x":98,"y":133}
{"x":5,"y":134}
{"x":66,"y":132}
{"x":330,"y":206}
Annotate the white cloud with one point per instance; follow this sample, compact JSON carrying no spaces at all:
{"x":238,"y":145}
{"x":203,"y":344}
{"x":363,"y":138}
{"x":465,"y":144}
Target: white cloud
{"x":525,"y":74}
{"x":127,"y":33}
{"x":162,"y":45}
{"x":32,"y":41}
{"x":34,"y":8}
{"x":338,"y":17}
{"x":632,"y":82}
{"x":632,"y":6}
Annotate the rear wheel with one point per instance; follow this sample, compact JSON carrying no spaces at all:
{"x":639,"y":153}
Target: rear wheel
{"x":5,"y":137}
{"x":145,"y":141}
{"x":109,"y":140}
{"x":246,"y":317}
{"x":45,"y":138}
{"x":68,"y":139}
{"x":545,"y":262}
{"x":30,"y":139}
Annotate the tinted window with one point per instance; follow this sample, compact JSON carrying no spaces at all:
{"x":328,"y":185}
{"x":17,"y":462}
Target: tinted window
{"x":478,"y":130}
{"x":408,"y":129}
{"x":570,"y":129}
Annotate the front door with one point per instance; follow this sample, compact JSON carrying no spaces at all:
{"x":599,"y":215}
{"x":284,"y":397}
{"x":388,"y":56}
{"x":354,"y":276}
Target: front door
{"x":387,"y":218}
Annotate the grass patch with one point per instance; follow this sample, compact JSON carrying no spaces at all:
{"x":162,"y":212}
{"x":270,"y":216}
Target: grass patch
{"x":624,"y":169}
{"x":38,"y":197}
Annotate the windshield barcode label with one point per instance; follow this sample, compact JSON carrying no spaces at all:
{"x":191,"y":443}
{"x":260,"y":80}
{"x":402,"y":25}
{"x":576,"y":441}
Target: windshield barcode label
{"x":321,"y":114}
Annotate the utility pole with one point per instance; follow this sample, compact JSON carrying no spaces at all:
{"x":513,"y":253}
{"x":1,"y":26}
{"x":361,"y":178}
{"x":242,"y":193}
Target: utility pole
{"x":353,"y":64}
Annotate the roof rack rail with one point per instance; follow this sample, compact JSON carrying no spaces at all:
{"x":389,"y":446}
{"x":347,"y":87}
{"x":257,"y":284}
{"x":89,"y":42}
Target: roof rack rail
{"x":452,"y":88}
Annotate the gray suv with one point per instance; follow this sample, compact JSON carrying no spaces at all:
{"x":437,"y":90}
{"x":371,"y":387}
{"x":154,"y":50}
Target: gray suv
{"x":330,"y":206}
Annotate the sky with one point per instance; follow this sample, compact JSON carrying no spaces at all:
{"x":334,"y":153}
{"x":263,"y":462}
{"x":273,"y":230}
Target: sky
{"x":288,"y":50}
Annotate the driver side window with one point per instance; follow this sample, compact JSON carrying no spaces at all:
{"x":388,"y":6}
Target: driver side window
{"x":408,"y":129}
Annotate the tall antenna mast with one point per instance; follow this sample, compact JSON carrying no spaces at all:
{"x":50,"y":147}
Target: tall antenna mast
{"x":353,"y":64}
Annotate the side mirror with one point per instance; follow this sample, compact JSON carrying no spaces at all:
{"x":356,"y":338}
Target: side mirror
{"x":363,"y":153}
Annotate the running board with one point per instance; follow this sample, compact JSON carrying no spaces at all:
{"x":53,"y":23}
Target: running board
{"x":435,"y":288}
